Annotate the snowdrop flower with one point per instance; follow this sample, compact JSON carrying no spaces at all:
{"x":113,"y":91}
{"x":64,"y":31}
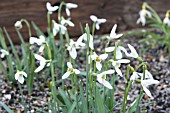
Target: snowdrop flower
{"x":113,"y":34}
{"x":42,"y":61}
{"x":97,"y":21}
{"x":117,"y":64}
{"x":98,"y":59}
{"x":146,"y":83}
{"x":40,"y":41}
{"x":18,"y":25}
{"x":67,"y":22}
{"x":20,"y":76}
{"x":118,"y":51}
{"x":57,"y":27}
{"x":143,"y":13}
{"x":133,"y":52}
{"x":3,"y":53}
{"x":135,"y":75}
{"x":102,"y":76}
{"x":84,"y":37}
{"x":50,"y":8}
{"x":166,"y":19}
{"x":70,"y":70}
{"x":70,"y":6}
{"x":72,"y":48}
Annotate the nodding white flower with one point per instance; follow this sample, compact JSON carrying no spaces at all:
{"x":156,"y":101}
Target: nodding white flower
{"x":146,"y":83}
{"x":117,"y":64}
{"x":118,"y":51}
{"x":143,"y":13}
{"x":42,"y":62}
{"x":133,"y":52}
{"x":3,"y":53}
{"x":20,"y":76}
{"x":98,"y":59}
{"x":40,"y":41}
{"x":102,"y":76}
{"x":70,"y":70}
{"x":113,"y":34}
{"x":70,"y":6}
{"x":97,"y":21}
{"x":72,"y":48}
{"x":84,"y":37}
{"x":18,"y":24}
{"x":67,"y":22}
{"x":50,"y":8}
{"x":166,"y":19}
{"x":57,"y":27}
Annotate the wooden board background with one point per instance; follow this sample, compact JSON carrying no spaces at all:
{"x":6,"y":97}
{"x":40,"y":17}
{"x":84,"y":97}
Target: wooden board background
{"x":122,"y":12}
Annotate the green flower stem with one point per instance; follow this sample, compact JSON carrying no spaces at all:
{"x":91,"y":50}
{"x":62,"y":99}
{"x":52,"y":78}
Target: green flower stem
{"x":87,"y":65}
{"x":123,"y":109}
{"x":22,"y":100}
{"x":28,"y":26}
{"x":116,"y":46}
{"x":59,"y":11}
{"x":93,"y":28}
{"x":49,"y":22}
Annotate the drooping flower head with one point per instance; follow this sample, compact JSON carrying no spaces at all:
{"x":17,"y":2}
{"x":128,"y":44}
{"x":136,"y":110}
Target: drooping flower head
{"x":20,"y":76}
{"x":143,"y":13}
{"x":97,"y":21}
{"x":116,"y":64}
{"x":50,"y":8}
{"x":18,"y":24}
{"x":42,"y":62}
{"x":3,"y":53}
{"x":102,"y":76}
{"x":70,"y":70}
{"x":57,"y":27}
{"x":39,"y":41}
{"x":70,"y":6}
{"x":113,"y":34}
{"x":98,"y":59}
{"x":166,"y":19}
{"x":66,"y":22}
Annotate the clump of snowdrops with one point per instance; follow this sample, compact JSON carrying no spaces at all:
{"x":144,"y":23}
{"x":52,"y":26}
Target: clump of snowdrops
{"x":44,"y":56}
{"x":148,"y":16}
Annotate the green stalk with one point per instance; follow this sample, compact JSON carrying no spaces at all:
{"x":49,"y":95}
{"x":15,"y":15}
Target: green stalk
{"x":49,"y":22}
{"x":28,"y":26}
{"x":23,"y":102}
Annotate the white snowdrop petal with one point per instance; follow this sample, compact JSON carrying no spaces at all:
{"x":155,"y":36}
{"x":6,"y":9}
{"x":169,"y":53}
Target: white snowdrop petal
{"x":17,"y":75}
{"x":38,"y":57}
{"x":113,"y":31}
{"x":147,"y":92}
{"x":118,"y":54}
{"x":103,"y":56}
{"x":97,"y":26}
{"x":41,"y":48}
{"x":99,"y":79}
{"x":108,"y":72}
{"x":23,"y":73}
{"x":66,"y":75}
{"x":76,"y":71}
{"x":73,"y":53}
{"x":71,"y":5}
{"x":93,"y":18}
{"x":134,"y":76}
{"x":118,"y":36}
{"x":148,"y":82}
{"x":123,"y":61}
{"x":42,"y":65}
{"x":21,"y":79}
{"x":109,"y":49}
{"x":67,"y":11}
{"x":101,"y":20}
{"x":98,"y":66}
{"x":118,"y":71}
{"x":107,"y":84}
{"x":133,"y":51}
{"x":69,"y":65}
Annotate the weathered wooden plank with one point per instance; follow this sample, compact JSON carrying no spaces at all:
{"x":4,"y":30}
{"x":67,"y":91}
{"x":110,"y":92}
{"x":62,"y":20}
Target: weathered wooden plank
{"x":122,"y":12}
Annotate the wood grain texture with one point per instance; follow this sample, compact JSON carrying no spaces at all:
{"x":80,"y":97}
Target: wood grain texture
{"x":122,"y":12}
